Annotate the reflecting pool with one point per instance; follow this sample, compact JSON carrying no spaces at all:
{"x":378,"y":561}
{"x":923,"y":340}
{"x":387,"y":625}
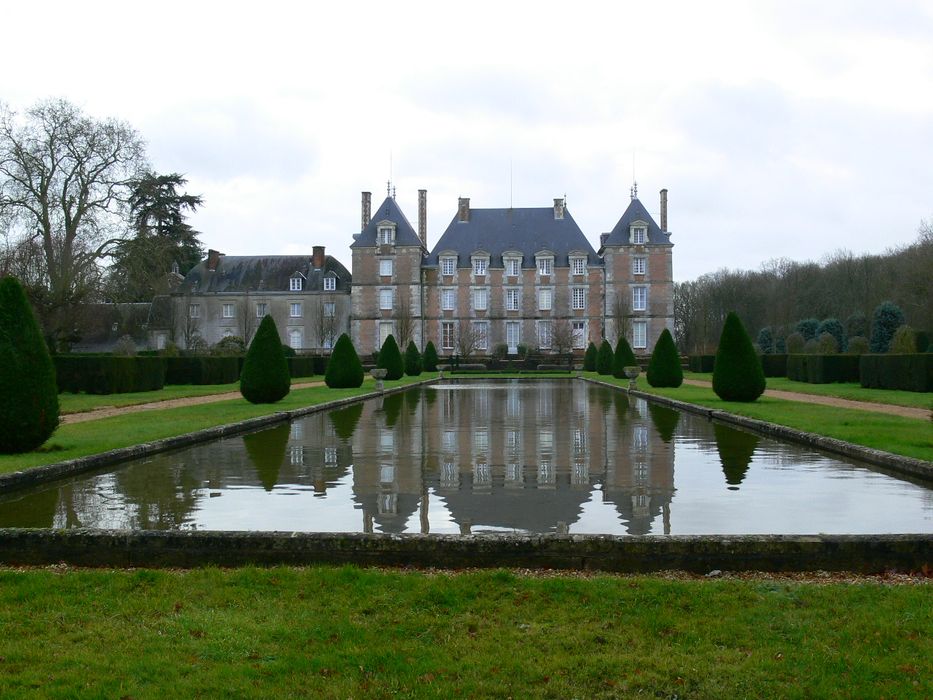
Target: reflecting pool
{"x":548,"y":456}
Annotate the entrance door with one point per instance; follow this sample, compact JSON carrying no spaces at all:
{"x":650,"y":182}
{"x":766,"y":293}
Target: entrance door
{"x":512,"y":336}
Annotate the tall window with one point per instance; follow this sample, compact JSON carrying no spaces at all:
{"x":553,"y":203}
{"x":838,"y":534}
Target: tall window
{"x":294,"y":284}
{"x":448,"y":297}
{"x":578,"y":329}
{"x":513,"y":331}
{"x":385,"y":330}
{"x":448,"y":265}
{"x":639,"y":334}
{"x":544,"y":334}
{"x":261,"y":309}
{"x":447,"y":335}
{"x":511,"y":299}
{"x":544,"y":299}
{"x":578,"y":298}
{"x":479,"y":266}
{"x":330,"y":309}
{"x":638,"y":235}
{"x":480,"y":299}
{"x":228,"y":311}
{"x":385,"y":299}
{"x":330,"y":284}
{"x":639,"y":298}
{"x":512,"y":267}
{"x":481,"y":331}
{"x":294,"y":309}
{"x":294,"y":338}
{"x":385,"y":268}
{"x":638,"y":266}
{"x":386,"y":235}
{"x":578,"y":266}
{"x":194,"y":310}
{"x":545,"y":266}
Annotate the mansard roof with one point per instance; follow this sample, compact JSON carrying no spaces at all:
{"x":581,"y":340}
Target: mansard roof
{"x":527,"y":231}
{"x":389,"y":210}
{"x":254,"y":273}
{"x":636,"y":212}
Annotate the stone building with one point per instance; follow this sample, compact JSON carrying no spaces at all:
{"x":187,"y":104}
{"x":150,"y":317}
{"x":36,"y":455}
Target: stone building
{"x":511,"y":278}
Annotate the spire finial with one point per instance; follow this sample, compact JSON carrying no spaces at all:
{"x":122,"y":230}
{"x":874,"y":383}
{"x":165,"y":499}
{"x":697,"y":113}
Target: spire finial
{"x":634,"y":190}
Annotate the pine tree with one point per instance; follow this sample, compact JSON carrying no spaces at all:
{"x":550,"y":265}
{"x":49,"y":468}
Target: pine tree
{"x":589,"y":358}
{"x":664,"y":368}
{"x":344,"y":369}
{"x":737,"y":372}
{"x":390,"y":359}
{"x":265,"y":377}
{"x":412,"y":360}
{"x":887,"y":318}
{"x":622,"y":358}
{"x":28,"y":393}
{"x":604,"y":358}
{"x":429,"y":359}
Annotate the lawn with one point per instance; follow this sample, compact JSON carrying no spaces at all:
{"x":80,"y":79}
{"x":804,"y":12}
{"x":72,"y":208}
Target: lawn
{"x":76,"y":403}
{"x":349,"y":632}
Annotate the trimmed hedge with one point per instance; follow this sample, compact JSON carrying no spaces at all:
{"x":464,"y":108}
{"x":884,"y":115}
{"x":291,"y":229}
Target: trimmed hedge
{"x":664,"y":367}
{"x":412,"y":360}
{"x":823,"y":369}
{"x":202,"y":370}
{"x":774,"y":365}
{"x":906,"y":372}
{"x":301,"y":366}
{"x":265,"y":377}
{"x":737,"y":375}
{"x":701,"y":363}
{"x":429,"y":359}
{"x":622,"y":358}
{"x":390,"y":359}
{"x":604,"y":358}
{"x":109,"y":374}
{"x":344,"y":369}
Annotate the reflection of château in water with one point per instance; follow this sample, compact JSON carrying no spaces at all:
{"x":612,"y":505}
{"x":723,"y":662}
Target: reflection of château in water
{"x":511,"y":456}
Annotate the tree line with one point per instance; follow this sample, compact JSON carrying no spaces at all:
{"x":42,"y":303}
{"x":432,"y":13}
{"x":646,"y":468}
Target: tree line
{"x":783,"y":292}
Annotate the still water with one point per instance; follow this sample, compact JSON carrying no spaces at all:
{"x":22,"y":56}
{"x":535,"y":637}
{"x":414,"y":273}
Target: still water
{"x":485,"y":457}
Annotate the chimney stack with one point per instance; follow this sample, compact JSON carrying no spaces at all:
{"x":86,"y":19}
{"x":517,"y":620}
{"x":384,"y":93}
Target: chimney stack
{"x":664,"y":210}
{"x":423,"y":217}
{"x":213,"y":259}
{"x":317,"y":257}
{"x":365,"y":215}
{"x":463,"y":214}
{"x":558,"y":208}
{"x":603,"y":237}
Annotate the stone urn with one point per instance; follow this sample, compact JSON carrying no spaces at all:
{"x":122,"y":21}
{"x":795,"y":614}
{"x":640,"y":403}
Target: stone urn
{"x":379,"y":374}
{"x":632,"y":374}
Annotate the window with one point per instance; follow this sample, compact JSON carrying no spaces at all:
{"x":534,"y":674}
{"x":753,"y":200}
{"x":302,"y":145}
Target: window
{"x":386,"y":235}
{"x":578,"y":266}
{"x":578,"y":330}
{"x":330,"y":309}
{"x":447,"y":335}
{"x":228,"y":311}
{"x":481,"y":334}
{"x":294,"y":309}
{"x":385,"y":299}
{"x":639,"y":334}
{"x":480,"y":299}
{"x":447,"y":299}
{"x":294,"y":338}
{"x":294,"y":284}
{"x":511,"y":299}
{"x":638,"y":235}
{"x":639,"y":298}
{"x":545,"y":265}
{"x":544,"y":299}
{"x":512,"y":266}
{"x":578,"y":298}
{"x":330,"y":284}
{"x":385,"y":330}
{"x":513,"y":336}
{"x":479,"y":266}
{"x":194,"y":310}
{"x":385,"y":268}
{"x":261,"y":309}
{"x":448,"y":265}
{"x":638,"y":266}
{"x":544,"y":334}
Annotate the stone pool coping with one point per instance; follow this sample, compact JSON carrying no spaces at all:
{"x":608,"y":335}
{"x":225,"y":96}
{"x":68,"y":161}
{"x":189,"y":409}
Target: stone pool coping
{"x":869,"y":554}
{"x":888,"y":460}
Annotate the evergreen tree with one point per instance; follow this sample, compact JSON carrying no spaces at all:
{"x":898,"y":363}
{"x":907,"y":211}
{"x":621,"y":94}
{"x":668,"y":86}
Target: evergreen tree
{"x":589,"y":358}
{"x":766,"y":340}
{"x":390,"y":359}
{"x":28,"y":393}
{"x":807,"y":328}
{"x":604,"y":358}
{"x":857,"y":325}
{"x":886,"y":320}
{"x":664,"y":368}
{"x":412,"y":360}
{"x":429,"y":360}
{"x":737,"y":372}
{"x":622,"y":358}
{"x":265,"y":377}
{"x":833,"y":326}
{"x":344,"y":369}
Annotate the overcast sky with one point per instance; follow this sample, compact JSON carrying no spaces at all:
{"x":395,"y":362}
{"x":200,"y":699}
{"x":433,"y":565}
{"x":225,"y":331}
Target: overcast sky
{"x":784,"y":129}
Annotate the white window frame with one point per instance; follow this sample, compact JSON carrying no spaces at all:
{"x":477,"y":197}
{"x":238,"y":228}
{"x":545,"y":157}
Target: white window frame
{"x":578,"y":298}
{"x":228,"y":310}
{"x":517,"y":327}
{"x":448,"y":265}
{"x":481,"y":334}
{"x":578,"y":266}
{"x":546,"y":266}
{"x":386,"y":299}
{"x":448,"y":299}
{"x":330,"y":284}
{"x":194,"y":311}
{"x":385,"y":235}
{"x":480,"y":266}
{"x":480,"y":299}
{"x":578,"y":333}
{"x":330,"y":309}
{"x":385,"y":267}
{"x":293,"y":334}
{"x":448,"y":335}
{"x":639,"y":265}
{"x":294,"y":309}
{"x":294,"y":284}
{"x":543,"y":331}
{"x":513,"y":299}
{"x":513,"y":267}
{"x":262,"y":308}
{"x":383,"y":331}
{"x":639,"y":335}
{"x":639,"y":235}
{"x":639,"y":298}
{"x":545,"y":299}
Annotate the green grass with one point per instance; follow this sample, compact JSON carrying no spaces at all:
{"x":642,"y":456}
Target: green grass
{"x":347,"y":632}
{"x":93,"y":437}
{"x":76,"y":403}
{"x":911,"y":437}
{"x":847,"y":390}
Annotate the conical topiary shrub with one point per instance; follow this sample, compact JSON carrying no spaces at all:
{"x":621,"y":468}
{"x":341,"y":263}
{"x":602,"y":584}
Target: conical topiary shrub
{"x":622,"y":358}
{"x":429,"y":359}
{"x":265,"y":377}
{"x":344,"y":369}
{"x":604,"y":358}
{"x":412,"y":360}
{"x":664,"y":368}
{"x":737,"y":372}
{"x":589,"y":358}
{"x":390,"y":359}
{"x":28,"y":393}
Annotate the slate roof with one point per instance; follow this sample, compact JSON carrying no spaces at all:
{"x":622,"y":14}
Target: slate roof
{"x":271,"y":273}
{"x":389,"y":210}
{"x":527,"y":230}
{"x":636,"y":212}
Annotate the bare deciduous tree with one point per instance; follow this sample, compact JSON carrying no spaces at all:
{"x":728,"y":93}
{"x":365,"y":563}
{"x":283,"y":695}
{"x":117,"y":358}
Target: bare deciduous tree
{"x":327,"y":324}
{"x":621,"y":312}
{"x":404,"y":321}
{"x":562,"y":336}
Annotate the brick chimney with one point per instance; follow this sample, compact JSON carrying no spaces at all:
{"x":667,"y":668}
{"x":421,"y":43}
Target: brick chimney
{"x":463,"y":209}
{"x":558,"y":207}
{"x":365,"y":212}
{"x":213,"y":259}
{"x":423,"y":217}
{"x":603,"y":237}
{"x":317,"y":257}
{"x":664,"y":210}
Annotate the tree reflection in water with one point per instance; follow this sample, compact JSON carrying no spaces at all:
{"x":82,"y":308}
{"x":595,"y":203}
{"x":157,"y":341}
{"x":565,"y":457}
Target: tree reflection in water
{"x":736,"y":448}
{"x":346,"y":419}
{"x":266,"y":450}
{"x":665,"y":420}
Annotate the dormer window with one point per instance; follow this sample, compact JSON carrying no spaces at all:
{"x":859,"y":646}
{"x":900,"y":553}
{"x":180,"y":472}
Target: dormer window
{"x":330,"y":283}
{"x":545,"y":265}
{"x":386,"y":235}
{"x":578,"y":266}
{"x":639,"y":234}
{"x":513,"y":266}
{"x":448,"y":265}
{"x":480,"y":265}
{"x":294,"y":284}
